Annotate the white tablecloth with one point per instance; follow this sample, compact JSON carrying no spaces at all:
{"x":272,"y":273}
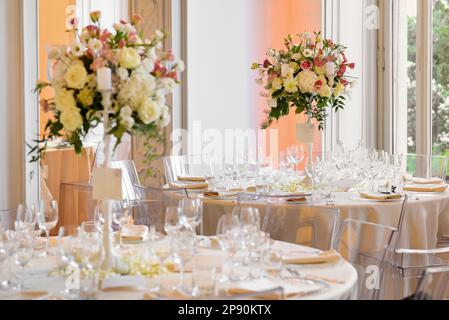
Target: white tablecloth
{"x":45,"y":284}
{"x":427,"y":215}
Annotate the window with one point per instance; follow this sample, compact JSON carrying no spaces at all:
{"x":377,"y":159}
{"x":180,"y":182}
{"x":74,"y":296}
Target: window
{"x":420,"y":72}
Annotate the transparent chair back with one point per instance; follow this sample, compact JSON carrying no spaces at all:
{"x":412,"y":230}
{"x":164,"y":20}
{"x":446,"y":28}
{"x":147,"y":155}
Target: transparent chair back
{"x":365,"y":245}
{"x":433,"y":285}
{"x":187,"y":165}
{"x":7,"y":219}
{"x":426,"y":166}
{"x":152,"y":203}
{"x":307,"y":226}
{"x":129,"y":178}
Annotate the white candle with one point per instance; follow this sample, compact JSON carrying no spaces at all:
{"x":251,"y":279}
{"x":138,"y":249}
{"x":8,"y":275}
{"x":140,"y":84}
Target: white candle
{"x":104,"y":79}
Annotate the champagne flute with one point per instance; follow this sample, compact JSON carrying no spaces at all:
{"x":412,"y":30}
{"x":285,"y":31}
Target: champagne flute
{"x":48,"y":219}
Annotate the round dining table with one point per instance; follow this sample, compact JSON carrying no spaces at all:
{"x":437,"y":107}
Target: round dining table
{"x":326,"y":281}
{"x":426,"y":217}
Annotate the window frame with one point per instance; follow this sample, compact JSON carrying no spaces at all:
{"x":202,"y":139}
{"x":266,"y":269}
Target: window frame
{"x":389,"y":75}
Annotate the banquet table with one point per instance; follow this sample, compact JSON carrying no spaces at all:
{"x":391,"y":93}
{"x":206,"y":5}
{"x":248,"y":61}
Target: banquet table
{"x":40,"y":285}
{"x":427,"y":215}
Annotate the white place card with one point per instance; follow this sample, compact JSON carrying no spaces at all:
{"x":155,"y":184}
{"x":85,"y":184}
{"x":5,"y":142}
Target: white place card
{"x":304,"y":133}
{"x":107,"y":184}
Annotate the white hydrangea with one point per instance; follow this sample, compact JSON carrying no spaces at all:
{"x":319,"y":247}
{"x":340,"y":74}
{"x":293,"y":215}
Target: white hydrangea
{"x":306,"y":81}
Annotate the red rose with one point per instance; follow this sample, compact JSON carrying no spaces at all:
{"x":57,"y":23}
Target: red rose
{"x":351,"y":65}
{"x":344,"y":82}
{"x":344,"y":57}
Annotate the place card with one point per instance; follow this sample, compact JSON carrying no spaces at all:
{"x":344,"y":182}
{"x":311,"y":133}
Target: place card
{"x":107,"y":184}
{"x":304,"y":133}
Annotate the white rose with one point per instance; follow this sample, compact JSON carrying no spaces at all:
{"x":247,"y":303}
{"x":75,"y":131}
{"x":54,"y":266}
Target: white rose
{"x":64,"y":99}
{"x":287,"y":71}
{"x":76,"y":76}
{"x":277,"y":84}
{"x":149,"y":111}
{"x":306,"y":81}
{"x":71,"y":119}
{"x":122,"y":73}
{"x":129,"y":58}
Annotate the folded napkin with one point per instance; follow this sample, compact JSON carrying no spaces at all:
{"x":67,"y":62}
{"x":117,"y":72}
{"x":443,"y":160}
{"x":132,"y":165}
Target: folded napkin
{"x":211,"y":194}
{"x":427,"y":181}
{"x":192,"y":186}
{"x":380,"y":196}
{"x":132,"y":232}
{"x":425,"y":188}
{"x":299,"y":199}
{"x":123,"y":283}
{"x":251,"y":189}
{"x":192,"y":179}
{"x":257,"y":287}
{"x":172,"y":295}
{"x":330,"y":256}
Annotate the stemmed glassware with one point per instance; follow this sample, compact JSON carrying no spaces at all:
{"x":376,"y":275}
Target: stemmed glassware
{"x":295,"y":155}
{"x":48,"y":219}
{"x":172,"y":223}
{"x":191,"y":213}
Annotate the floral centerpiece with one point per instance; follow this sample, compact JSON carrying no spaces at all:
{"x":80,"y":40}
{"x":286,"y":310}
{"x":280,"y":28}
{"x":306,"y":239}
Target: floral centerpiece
{"x":142,"y":76}
{"x":310,"y":76}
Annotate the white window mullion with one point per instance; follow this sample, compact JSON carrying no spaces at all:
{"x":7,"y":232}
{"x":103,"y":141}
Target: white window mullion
{"x":424,"y":78}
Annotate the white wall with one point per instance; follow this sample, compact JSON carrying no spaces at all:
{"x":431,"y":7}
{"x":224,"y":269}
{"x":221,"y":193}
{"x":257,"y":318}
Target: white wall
{"x":11,"y":141}
{"x":220,"y":53}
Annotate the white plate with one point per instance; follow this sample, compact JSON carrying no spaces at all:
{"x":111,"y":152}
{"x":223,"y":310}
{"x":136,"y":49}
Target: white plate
{"x":374,"y":200}
{"x":287,"y":194}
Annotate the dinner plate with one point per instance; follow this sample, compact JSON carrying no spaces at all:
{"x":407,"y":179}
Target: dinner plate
{"x":376,"y":200}
{"x":287,"y":194}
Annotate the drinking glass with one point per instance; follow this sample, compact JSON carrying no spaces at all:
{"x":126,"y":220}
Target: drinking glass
{"x":295,"y":154}
{"x":23,"y":256}
{"x":191,"y":212}
{"x":172,"y":223}
{"x":121,"y":215}
{"x":284,"y":162}
{"x":48,"y":218}
{"x":249,"y":220}
{"x":203,"y":277}
{"x":90,"y":230}
{"x":8,"y":246}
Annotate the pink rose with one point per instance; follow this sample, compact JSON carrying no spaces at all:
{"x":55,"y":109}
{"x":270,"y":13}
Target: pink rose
{"x":105,"y":36}
{"x":306,"y":65}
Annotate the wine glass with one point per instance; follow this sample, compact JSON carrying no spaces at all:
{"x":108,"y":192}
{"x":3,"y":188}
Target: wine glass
{"x":172,"y":223}
{"x":284,"y":162}
{"x":191,"y":214}
{"x":48,"y":218}
{"x":23,"y":256}
{"x":228,"y":236}
{"x":249,"y":221}
{"x":121,"y":215}
{"x":295,"y":154}
{"x":8,"y":245}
